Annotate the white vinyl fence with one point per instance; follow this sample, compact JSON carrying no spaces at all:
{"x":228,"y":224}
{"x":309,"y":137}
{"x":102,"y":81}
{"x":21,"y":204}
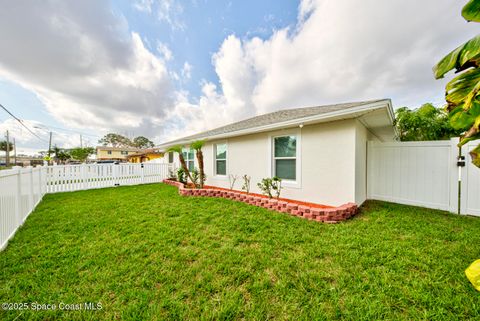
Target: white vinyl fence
{"x":21,"y":189}
{"x":89,"y":176}
{"x":424,"y":174}
{"x":470,"y":188}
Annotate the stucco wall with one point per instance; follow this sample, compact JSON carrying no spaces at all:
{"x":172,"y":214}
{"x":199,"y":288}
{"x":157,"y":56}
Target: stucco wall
{"x":361,"y":137}
{"x":327,"y":162}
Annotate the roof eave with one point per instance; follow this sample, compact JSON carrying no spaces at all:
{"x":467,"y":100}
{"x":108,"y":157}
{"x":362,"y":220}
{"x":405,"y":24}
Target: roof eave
{"x":386,"y":103}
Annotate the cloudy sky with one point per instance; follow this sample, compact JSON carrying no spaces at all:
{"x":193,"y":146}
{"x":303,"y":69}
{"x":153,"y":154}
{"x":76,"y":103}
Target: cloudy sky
{"x":167,"y":68}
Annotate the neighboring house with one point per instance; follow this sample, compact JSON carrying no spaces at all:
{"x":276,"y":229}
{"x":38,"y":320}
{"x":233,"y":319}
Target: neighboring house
{"x":145,"y":156}
{"x":319,"y":152}
{"x":105,"y":153}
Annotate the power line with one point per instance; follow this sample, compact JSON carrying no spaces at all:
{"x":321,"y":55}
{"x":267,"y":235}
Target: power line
{"x":21,"y":123}
{"x":70,"y":130}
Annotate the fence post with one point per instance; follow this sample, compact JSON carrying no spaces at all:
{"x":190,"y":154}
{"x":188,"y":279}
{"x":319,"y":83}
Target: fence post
{"x":455,"y":176}
{"x":142,"y":173}
{"x":115,"y":173}
{"x":83,"y":175}
{"x":40,"y":185}
{"x":369,"y":167}
{"x":18,"y":195}
{"x":32,"y":202}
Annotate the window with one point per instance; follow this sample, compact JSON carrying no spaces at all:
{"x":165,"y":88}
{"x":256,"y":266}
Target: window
{"x":123,"y":152}
{"x":170,"y":157}
{"x":221,"y":159}
{"x":285,"y":157}
{"x":109,"y":152}
{"x":189,"y":156}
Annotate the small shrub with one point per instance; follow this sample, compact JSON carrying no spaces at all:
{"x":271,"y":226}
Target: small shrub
{"x":196,"y":176}
{"x":246,"y":183}
{"x":181,"y":176}
{"x":171,"y":174}
{"x":270,"y":186}
{"x":231,"y":180}
{"x":277,"y":186}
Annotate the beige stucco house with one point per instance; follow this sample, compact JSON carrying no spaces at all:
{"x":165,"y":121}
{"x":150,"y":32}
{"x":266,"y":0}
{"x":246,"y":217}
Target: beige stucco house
{"x":106,"y":153}
{"x":319,"y":152}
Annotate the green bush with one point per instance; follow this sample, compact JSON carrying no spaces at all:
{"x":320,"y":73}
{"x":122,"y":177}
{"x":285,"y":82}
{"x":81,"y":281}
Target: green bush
{"x":181,"y":176}
{"x":270,"y":186}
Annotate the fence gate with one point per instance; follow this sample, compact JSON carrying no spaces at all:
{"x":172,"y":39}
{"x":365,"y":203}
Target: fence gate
{"x":470,"y":187}
{"x":424,"y":174}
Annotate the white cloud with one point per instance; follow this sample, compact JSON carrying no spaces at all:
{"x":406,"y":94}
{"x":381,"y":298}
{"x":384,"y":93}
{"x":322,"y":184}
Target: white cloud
{"x":27,"y":143}
{"x":339,"y":50}
{"x":91,"y":71}
{"x":167,"y":11}
{"x":164,"y":51}
{"x":170,"y":11}
{"x":84,"y":64}
{"x":143,"y":5}
{"x":187,"y":70}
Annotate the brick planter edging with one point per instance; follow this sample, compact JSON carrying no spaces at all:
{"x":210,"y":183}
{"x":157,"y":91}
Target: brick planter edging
{"x":326,"y":215}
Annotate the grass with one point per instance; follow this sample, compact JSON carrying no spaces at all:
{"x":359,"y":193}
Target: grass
{"x":145,"y":253}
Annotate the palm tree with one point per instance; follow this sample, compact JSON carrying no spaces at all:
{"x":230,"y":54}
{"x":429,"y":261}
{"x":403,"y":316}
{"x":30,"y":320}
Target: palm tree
{"x":197,"y":146}
{"x":178,"y":149}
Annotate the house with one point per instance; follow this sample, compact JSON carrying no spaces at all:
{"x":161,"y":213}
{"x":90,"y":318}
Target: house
{"x":319,"y":152}
{"x":105,"y":153}
{"x":144,"y":156}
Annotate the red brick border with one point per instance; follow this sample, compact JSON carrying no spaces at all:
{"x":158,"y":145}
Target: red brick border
{"x":326,"y":215}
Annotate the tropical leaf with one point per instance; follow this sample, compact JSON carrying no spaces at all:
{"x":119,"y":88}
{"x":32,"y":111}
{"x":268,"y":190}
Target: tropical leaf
{"x":471,"y":11}
{"x":463,"y":88}
{"x":465,"y":56}
{"x":461,"y":120}
{"x":198,"y":144}
{"x":475,"y":154}
{"x":176,"y":149}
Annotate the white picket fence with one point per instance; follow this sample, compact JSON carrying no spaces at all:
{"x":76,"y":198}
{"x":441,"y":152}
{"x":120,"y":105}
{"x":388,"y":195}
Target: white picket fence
{"x":90,"y":176}
{"x":21,"y":189}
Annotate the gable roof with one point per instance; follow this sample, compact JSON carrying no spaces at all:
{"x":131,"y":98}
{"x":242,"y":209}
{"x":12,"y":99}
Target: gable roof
{"x":285,"y":116}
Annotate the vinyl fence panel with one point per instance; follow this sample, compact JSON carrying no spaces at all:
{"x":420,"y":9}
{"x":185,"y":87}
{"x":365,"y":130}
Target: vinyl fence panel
{"x":414,"y":173}
{"x":90,"y":176}
{"x":21,"y":189}
{"x":470,"y":196}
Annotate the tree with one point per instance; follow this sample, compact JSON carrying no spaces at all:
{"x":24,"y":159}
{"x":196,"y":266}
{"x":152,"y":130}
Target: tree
{"x":81,"y":154}
{"x":55,"y":151}
{"x":63,"y":156}
{"x":142,"y":142}
{"x":178,"y":149}
{"x":463,"y":91}
{"x":115,"y":140}
{"x":3,"y":146}
{"x":197,"y":146}
{"x":424,"y":123}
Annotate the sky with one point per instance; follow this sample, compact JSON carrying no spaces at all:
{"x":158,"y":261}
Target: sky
{"x":168,"y":68}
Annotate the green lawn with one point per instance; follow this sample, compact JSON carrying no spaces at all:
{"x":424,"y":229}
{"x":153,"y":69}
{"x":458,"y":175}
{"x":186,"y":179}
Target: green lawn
{"x":144,"y":253}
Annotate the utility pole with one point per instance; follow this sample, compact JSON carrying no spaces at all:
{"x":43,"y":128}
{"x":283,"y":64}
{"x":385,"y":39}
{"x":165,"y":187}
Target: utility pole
{"x":50,"y":144}
{"x":15,"y":151}
{"x":7,"y":151}
{"x":81,"y":142}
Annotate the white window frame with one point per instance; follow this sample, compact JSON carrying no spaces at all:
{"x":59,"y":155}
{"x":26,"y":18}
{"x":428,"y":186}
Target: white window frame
{"x":297,"y":183}
{"x":215,"y":160}
{"x":187,"y":149}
